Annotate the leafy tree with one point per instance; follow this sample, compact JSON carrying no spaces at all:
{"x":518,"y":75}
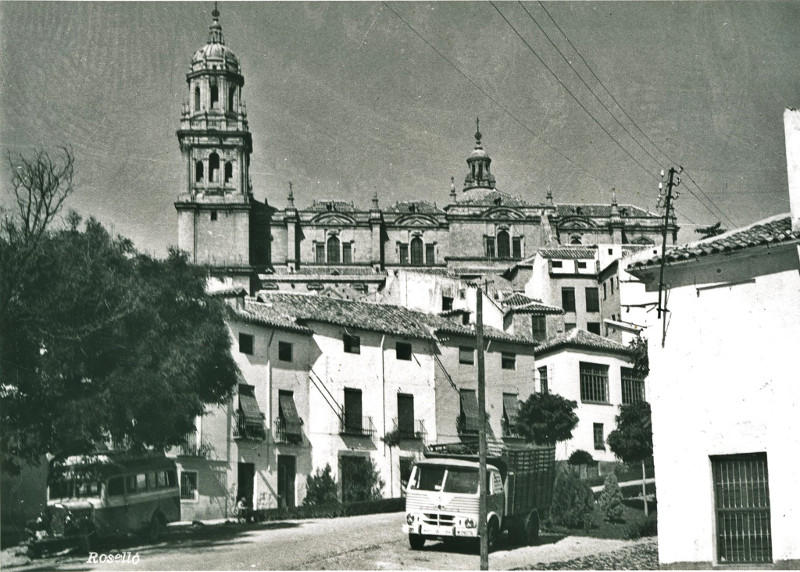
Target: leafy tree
{"x":321,"y":488}
{"x":709,"y":231}
{"x":580,"y":457}
{"x":573,"y":501}
{"x":99,"y":343}
{"x":611,"y":499}
{"x":632,"y":440}
{"x":361,"y":479}
{"x":547,"y":418}
{"x":641,"y":359}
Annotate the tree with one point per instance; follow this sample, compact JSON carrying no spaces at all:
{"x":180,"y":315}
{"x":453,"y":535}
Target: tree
{"x":611,"y":499}
{"x":547,"y":418}
{"x":632,"y":440}
{"x":321,"y":488}
{"x":709,"y":231}
{"x":99,"y":343}
{"x":361,"y":479}
{"x":573,"y":501}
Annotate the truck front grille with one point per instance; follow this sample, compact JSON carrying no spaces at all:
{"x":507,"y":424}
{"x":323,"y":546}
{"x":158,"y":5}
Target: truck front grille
{"x":438,"y":519}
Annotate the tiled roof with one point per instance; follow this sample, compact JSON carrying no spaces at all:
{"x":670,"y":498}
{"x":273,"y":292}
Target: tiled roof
{"x":228,"y":292}
{"x":325,"y":270}
{"x":517,"y":299}
{"x":578,"y":209}
{"x":522,"y":304}
{"x":255,"y":313}
{"x":493,"y":197}
{"x":567,"y":252}
{"x":414,"y":207}
{"x":581,"y":339}
{"x":772,"y":230}
{"x":280,"y":309}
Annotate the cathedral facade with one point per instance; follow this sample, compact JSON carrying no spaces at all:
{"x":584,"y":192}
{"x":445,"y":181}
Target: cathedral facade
{"x":477,"y":230}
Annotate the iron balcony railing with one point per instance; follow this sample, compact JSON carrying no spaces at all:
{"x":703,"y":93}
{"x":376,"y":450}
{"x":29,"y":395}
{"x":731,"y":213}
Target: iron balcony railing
{"x":190,"y":446}
{"x":248,"y":430}
{"x":287,"y":432}
{"x":416,"y":432}
{"x":356,"y":426}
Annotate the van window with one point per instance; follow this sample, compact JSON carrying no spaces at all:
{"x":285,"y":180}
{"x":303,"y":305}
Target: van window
{"x":172,"y":478}
{"x":161,"y":479}
{"x":151,"y":481}
{"x":130,"y":482}
{"x":115,"y":487}
{"x":141,"y":482}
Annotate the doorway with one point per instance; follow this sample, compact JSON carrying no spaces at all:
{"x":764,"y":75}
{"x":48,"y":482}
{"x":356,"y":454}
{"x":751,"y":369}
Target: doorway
{"x":245,"y":477}
{"x":286,"y":477}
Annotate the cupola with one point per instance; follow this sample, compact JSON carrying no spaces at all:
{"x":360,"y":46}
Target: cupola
{"x":479,"y":175}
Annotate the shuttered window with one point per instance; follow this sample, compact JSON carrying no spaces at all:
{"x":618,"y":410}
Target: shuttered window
{"x":469,"y":411}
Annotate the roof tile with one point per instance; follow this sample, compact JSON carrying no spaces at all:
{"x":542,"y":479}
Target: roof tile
{"x":581,"y":339}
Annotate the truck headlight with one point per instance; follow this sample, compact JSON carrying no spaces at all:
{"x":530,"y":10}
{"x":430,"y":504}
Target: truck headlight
{"x":469,"y":523}
{"x":410,"y":518}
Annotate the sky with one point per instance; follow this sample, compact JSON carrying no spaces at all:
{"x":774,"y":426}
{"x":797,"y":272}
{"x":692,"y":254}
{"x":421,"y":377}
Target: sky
{"x":346,"y":99}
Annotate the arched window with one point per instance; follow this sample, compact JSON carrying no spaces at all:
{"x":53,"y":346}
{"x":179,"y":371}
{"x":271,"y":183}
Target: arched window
{"x":333,"y":250}
{"x":231,"y":98}
{"x":213,"y":168}
{"x":575,"y":239}
{"x":416,"y":251}
{"x":197,"y":98}
{"x":214,"y":96}
{"x":503,"y":245}
{"x":198,"y":171}
{"x":228,"y":171}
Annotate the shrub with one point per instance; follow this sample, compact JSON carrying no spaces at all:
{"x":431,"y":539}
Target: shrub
{"x":646,"y":527}
{"x":572,"y":501}
{"x":580,"y":457}
{"x":321,"y":488}
{"x":611,"y":499}
{"x":361,"y":479}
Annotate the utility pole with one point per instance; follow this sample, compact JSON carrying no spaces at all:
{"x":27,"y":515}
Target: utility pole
{"x":482,"y":509}
{"x":672,"y":181}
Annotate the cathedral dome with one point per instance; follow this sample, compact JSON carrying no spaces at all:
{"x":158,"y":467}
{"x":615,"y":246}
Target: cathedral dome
{"x":215,"y":54}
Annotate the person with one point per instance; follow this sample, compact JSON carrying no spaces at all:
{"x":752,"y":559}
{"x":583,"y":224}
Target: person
{"x":241,"y":510}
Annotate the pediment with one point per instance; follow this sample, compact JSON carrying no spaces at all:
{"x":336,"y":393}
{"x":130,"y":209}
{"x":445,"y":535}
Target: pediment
{"x":576,"y":223}
{"x":333,"y":219}
{"x":416,"y":220}
{"x":502,"y":213}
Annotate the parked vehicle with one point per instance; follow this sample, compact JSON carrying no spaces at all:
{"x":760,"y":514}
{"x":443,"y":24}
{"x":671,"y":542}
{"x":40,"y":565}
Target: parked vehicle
{"x":106,"y":494}
{"x":442,"y":497}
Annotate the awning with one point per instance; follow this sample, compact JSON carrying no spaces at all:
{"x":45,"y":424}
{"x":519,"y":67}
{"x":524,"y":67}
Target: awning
{"x":289,"y":414}
{"x":248,"y":405}
{"x":511,"y":407}
{"x":469,"y":409}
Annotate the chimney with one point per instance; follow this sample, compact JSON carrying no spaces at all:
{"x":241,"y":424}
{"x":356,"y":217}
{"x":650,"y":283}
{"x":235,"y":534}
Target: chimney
{"x":791,"y":124}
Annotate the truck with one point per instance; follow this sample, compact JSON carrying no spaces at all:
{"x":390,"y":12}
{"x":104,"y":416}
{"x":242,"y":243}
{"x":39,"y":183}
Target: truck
{"x":442,"y":496}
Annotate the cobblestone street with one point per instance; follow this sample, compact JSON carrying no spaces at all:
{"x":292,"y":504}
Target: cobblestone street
{"x":643,"y":556}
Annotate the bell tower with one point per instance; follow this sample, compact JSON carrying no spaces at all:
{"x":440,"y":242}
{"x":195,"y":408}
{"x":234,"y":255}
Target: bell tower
{"x":216,"y":204}
{"x":479,"y":176}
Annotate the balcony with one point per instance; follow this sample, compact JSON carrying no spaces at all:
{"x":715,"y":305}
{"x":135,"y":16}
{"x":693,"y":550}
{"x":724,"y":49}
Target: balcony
{"x":246,"y":429}
{"x":356,"y":426}
{"x":287,"y":432}
{"x":416,"y":432}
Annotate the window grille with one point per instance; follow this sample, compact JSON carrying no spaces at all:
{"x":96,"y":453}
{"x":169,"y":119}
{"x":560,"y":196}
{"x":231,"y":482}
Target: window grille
{"x":741,"y":494}
{"x":189,"y":485}
{"x":319,"y":253}
{"x":333,"y":250}
{"x":543,"y":381}
{"x":416,"y":251}
{"x":404,"y":254}
{"x":594,"y":382}
{"x":632,"y":386}
{"x":599,"y":442}
{"x":568,"y":299}
{"x":430,"y":254}
{"x":347,"y":253}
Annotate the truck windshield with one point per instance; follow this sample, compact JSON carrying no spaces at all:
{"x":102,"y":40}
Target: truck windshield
{"x":460,"y":480}
{"x":70,"y":488}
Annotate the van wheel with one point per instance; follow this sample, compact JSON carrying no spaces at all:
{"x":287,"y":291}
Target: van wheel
{"x":156,"y":528}
{"x":416,"y":541}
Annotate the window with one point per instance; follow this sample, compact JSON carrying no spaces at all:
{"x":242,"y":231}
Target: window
{"x":594,"y":382}
{"x":543,"y":382}
{"x":557,"y":263}
{"x":406,"y":464}
{"x":188,"y":485}
{"x":197,"y":98}
{"x":416,"y":251}
{"x":430,"y":254}
{"x":592,"y":300}
{"x":289,"y":422}
{"x":466,"y":355}
{"x":575,"y":239}
{"x":333,"y":250}
{"x":568,"y":299}
{"x":604,"y":290}
{"x":405,"y":415}
{"x":468,"y":416}
{"x":569,"y":326}
{"x":516,"y":244}
{"x":319,"y":253}
{"x":404,"y":254}
{"x":347,"y":253}
{"x":284,"y":351}
{"x":213,"y":168}
{"x":581,"y":265}
{"x":214,"y":96}
{"x":741,"y":498}
{"x":503,"y":245}
{"x":510,"y":413}
{"x":593,"y":327}
{"x":508,"y":360}
{"x":228,"y":171}
{"x":151,"y":481}
{"x":231,"y":98}
{"x":198,"y":172}
{"x":465,"y":318}
{"x":246,"y":344}
{"x":141,"y":482}
{"x":539,"y":327}
{"x":447,"y":303}
{"x":353,"y":423}
{"x":632,"y":386}
{"x":116,"y":487}
{"x":489,"y":247}
{"x":214,"y":215}
{"x":599,"y":442}
{"x":612,"y":285}
{"x":403,"y":351}
{"x":352,"y":344}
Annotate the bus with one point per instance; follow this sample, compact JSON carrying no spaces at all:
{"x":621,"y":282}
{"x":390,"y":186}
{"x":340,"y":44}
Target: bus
{"x":90,"y":497}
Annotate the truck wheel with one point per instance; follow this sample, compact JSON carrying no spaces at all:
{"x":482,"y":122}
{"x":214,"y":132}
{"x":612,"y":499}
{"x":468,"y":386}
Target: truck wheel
{"x":155,"y":529}
{"x":532,"y":528}
{"x":492,"y":535}
{"x":416,"y":541}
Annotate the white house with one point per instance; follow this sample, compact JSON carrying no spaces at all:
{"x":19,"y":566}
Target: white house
{"x":725,"y":395}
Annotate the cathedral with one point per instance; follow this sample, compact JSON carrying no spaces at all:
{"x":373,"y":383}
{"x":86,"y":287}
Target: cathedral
{"x":478,"y":230}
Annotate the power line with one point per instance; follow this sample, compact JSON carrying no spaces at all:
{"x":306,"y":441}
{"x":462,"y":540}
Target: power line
{"x":639,"y":129}
{"x":634,"y":159}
